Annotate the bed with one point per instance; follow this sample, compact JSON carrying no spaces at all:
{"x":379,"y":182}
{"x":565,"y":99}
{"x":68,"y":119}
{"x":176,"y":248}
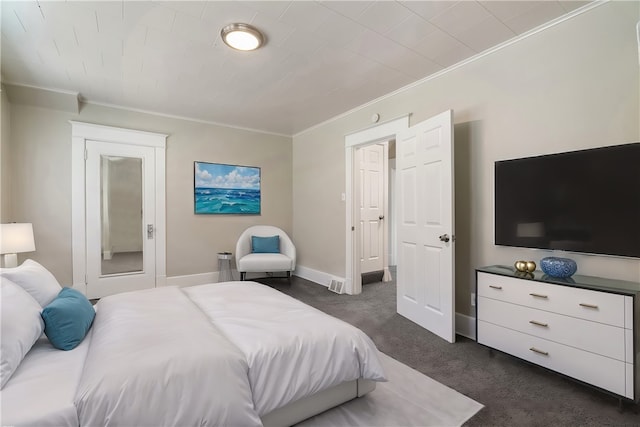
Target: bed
{"x":233,"y":353}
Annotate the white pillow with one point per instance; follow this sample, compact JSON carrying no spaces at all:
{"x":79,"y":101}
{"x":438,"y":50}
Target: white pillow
{"x":35,"y":279}
{"x":20,"y":325}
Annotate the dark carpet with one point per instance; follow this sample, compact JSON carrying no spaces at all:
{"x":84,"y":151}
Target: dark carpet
{"x":514,"y":392}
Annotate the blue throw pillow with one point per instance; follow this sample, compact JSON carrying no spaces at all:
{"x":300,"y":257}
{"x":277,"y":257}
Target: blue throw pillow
{"x":67,"y":319}
{"x":265,"y":245}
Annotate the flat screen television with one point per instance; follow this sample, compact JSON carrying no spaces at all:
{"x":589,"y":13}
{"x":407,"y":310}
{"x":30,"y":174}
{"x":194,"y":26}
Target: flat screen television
{"x":580,"y":201}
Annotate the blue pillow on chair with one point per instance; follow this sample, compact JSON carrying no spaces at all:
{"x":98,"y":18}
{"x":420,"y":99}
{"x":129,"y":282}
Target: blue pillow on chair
{"x":67,"y":319}
{"x":265,"y":245}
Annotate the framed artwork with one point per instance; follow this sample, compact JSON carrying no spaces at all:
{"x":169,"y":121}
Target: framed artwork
{"x":226,"y":189}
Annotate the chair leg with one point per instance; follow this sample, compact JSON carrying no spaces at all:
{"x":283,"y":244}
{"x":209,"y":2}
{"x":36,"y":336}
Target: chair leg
{"x":289,"y":276}
{"x":242,"y":275}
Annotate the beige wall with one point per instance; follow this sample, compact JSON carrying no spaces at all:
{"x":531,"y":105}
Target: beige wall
{"x":5,"y":156}
{"x":41,"y":146}
{"x":569,"y":87}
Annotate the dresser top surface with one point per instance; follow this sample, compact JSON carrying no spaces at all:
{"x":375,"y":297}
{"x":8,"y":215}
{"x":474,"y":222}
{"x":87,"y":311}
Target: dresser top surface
{"x":576,"y":281}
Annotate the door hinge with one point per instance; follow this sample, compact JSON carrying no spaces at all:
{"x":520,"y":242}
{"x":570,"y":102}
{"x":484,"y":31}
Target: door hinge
{"x":86,"y":154}
{"x":86,"y":281}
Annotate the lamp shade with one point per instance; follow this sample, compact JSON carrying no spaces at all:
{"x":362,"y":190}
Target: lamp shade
{"x":16,"y":238}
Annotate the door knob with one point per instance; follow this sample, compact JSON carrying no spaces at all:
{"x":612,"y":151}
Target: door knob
{"x":381,"y":217}
{"x":444,"y":238}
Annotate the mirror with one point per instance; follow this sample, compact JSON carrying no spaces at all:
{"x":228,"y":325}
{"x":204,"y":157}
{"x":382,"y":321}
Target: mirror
{"x":121,"y":214}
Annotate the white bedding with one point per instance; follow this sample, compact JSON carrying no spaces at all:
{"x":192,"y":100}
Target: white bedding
{"x":293,"y":350}
{"x":41,"y":391}
{"x":217,"y":354}
{"x":156,"y":360}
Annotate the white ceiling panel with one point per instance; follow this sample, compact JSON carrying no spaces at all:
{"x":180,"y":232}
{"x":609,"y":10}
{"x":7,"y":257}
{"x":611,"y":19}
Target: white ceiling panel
{"x":411,"y":31}
{"x":536,"y":16}
{"x":192,"y":8}
{"x":220,"y":13}
{"x":485,"y":34}
{"x":274,"y":9}
{"x":428,"y":9}
{"x":147,"y":14}
{"x":339,"y":30}
{"x":382,"y":16}
{"x":321,"y":58}
{"x":505,"y":10}
{"x":278,"y":31}
{"x":459,"y":17}
{"x":349,"y":9}
{"x":312,"y":14}
{"x":188,"y":27}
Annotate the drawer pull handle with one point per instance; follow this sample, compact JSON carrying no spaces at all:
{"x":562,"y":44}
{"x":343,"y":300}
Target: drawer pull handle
{"x":533,"y":322}
{"x":495,"y":287}
{"x":584,"y":304}
{"x":539,"y":296}
{"x":535,"y":350}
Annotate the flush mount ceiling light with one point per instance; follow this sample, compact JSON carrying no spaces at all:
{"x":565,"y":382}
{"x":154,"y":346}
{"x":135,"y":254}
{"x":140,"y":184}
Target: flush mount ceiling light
{"x":242,"y":36}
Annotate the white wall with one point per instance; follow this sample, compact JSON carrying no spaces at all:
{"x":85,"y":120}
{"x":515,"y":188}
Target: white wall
{"x":572,"y":86}
{"x":40,"y":149}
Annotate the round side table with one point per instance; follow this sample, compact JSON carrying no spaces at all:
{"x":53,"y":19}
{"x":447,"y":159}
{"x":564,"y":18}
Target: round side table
{"x":224,"y":266}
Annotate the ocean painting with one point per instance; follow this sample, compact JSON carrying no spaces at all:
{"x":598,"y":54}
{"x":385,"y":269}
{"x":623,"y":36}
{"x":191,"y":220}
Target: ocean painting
{"x":226,"y":189}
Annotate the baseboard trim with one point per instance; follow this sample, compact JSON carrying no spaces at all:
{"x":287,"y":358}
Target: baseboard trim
{"x":466,"y":326}
{"x":316,"y":276}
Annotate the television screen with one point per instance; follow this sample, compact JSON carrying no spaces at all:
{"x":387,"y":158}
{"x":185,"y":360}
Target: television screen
{"x":581,"y":201}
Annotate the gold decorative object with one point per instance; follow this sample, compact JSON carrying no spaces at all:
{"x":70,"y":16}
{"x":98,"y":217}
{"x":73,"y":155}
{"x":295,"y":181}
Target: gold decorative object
{"x":525,"y":266}
{"x":521,"y":266}
{"x":531,"y":266}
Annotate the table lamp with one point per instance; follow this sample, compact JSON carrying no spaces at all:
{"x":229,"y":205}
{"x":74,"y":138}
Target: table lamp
{"x":14,"y":239}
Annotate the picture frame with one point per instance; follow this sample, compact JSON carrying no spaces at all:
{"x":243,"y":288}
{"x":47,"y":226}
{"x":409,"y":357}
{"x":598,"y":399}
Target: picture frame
{"x":225,"y":189}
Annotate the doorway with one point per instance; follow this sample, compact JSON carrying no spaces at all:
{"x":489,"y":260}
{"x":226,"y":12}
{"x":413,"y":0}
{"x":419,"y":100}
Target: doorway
{"x":118,"y":209}
{"x":372,"y":210}
{"x":380,"y":133}
{"x":425,"y":219}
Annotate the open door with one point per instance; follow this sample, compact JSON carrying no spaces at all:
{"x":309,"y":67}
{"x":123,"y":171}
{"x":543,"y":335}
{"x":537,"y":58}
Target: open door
{"x":425,"y":225}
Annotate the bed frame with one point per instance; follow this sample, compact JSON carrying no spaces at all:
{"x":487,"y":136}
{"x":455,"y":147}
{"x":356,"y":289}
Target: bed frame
{"x":309,"y":406}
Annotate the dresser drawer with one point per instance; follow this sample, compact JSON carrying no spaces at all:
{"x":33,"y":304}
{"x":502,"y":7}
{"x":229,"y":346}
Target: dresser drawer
{"x":586,"y":304}
{"x":598,"y":338}
{"x":603,"y":372}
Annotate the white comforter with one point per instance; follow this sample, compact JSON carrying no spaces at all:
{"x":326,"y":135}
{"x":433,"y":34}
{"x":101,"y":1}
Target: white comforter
{"x":155,"y":359}
{"x":219,"y":354}
{"x":293,"y":350}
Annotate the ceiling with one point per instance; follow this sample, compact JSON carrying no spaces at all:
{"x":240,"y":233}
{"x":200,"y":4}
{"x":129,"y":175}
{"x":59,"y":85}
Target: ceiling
{"x":321,"y":59}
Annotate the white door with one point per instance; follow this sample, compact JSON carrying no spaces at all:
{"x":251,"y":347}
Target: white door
{"x":424,"y":164}
{"x":371,"y":168}
{"x":120,"y":215}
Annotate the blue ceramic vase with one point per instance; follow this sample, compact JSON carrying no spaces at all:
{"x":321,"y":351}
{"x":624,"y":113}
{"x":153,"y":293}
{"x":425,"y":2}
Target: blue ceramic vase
{"x":558,"y":267}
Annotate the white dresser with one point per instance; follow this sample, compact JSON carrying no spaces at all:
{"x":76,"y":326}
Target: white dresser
{"x":583,"y":327}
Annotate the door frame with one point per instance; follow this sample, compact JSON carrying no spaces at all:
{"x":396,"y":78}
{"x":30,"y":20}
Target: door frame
{"x":80,"y":133}
{"x":382,"y":132}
